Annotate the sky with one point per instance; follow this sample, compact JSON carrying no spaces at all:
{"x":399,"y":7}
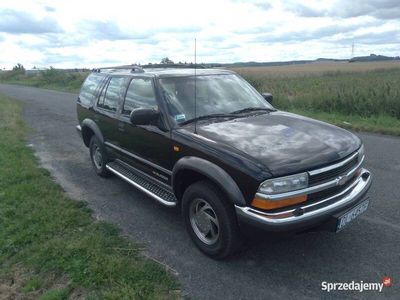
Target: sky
{"x":85,"y":33}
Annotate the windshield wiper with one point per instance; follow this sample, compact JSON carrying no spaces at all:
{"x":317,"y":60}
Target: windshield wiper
{"x":207,"y":117}
{"x":251,"y":109}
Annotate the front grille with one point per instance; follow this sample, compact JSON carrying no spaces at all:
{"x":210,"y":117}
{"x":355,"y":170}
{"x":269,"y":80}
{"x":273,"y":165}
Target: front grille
{"x":332,"y":174}
{"x":330,"y":191}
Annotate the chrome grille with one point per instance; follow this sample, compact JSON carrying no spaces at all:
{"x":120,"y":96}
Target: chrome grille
{"x":331,"y":191}
{"x":333,"y":173}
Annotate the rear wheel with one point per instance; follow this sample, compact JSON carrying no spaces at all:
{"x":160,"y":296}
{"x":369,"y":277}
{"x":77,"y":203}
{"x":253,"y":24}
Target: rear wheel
{"x":210,"y":220}
{"x":98,"y":156}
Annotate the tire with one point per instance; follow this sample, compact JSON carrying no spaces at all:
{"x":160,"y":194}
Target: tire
{"x":98,"y":156}
{"x":210,"y":220}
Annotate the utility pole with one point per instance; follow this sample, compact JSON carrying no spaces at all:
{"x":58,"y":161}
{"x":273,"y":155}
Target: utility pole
{"x":352,"y":50}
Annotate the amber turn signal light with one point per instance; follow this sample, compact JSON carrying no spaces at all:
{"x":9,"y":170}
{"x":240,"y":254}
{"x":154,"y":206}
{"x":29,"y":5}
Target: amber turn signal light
{"x":268,"y":204}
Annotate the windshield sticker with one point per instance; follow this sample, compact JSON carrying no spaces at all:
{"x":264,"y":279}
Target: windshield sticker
{"x":180,"y":118}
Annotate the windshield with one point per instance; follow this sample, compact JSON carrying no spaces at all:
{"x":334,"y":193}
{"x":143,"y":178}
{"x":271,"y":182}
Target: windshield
{"x":216,"y":94}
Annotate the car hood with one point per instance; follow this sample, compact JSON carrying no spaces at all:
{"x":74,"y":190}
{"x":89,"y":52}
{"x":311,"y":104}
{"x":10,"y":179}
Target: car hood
{"x":283,"y":142}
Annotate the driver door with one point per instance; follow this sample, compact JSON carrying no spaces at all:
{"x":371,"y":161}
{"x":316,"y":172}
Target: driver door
{"x":145,"y":147}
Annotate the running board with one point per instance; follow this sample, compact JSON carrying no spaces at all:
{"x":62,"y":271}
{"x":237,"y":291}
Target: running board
{"x":140,"y":182}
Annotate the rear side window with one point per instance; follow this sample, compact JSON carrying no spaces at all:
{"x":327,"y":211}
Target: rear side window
{"x":89,"y":87}
{"x":140,"y":94}
{"x":110,"y":95}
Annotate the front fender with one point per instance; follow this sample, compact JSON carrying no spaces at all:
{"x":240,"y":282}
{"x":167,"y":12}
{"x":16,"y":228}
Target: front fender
{"x":213,"y":172}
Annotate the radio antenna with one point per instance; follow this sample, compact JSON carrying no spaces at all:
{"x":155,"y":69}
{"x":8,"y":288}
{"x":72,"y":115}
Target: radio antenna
{"x":195,"y":87}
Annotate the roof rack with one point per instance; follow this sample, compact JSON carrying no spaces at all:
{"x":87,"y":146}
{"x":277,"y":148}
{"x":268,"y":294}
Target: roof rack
{"x":140,"y":69}
{"x":131,"y":68}
{"x":176,"y":66}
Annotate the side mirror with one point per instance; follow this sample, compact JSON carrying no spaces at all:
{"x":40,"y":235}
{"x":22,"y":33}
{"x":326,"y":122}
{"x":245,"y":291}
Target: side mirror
{"x":268,"y":97}
{"x":143,"y":116}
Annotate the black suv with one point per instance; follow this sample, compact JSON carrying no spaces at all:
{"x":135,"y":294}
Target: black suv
{"x":206,"y":141}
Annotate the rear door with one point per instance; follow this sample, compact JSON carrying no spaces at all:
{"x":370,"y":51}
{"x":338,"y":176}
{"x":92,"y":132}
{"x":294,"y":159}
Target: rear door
{"x":146,"y":147}
{"x":107,"y":106}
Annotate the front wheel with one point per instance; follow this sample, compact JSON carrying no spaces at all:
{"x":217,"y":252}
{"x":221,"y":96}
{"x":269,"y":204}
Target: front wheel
{"x":210,"y":220}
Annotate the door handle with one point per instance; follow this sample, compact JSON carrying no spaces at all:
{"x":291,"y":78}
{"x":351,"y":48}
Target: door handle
{"x":121,"y":126}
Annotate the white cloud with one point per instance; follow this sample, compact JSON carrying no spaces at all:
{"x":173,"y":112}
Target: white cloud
{"x":98,"y":33}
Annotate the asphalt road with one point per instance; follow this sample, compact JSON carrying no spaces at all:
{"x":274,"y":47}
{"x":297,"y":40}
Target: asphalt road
{"x":287,"y":267}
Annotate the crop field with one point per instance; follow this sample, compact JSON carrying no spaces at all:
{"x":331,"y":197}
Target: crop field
{"x":317,"y":68}
{"x":363,"y":96}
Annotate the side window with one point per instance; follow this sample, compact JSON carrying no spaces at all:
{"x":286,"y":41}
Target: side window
{"x":110,"y":96}
{"x":100,"y":102}
{"x":89,"y":87}
{"x":140,"y":94}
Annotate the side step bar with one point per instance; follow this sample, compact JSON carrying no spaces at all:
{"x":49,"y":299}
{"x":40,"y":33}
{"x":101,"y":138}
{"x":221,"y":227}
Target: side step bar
{"x":139,"y":181}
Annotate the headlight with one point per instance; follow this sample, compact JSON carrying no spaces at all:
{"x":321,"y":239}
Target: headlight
{"x":284,"y":184}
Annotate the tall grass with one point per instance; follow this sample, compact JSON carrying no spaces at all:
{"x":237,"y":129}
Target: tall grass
{"x":364,"y":94}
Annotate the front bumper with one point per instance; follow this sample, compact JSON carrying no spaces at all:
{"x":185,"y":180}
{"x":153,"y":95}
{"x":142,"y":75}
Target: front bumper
{"x":308,"y":215}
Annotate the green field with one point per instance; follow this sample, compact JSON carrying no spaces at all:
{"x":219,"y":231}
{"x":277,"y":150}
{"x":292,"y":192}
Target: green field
{"x":50,"y":246}
{"x":362,"y":96}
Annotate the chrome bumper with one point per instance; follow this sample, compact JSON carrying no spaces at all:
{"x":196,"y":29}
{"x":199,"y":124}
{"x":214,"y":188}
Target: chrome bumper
{"x":308,"y":214}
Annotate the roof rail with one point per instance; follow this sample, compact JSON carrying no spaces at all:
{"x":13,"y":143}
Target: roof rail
{"x":177,"y":66}
{"x":131,"y":68}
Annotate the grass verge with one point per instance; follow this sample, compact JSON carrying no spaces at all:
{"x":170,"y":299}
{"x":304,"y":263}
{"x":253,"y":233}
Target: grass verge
{"x":50,"y":246}
{"x":48,"y":86}
{"x":52,"y":79}
{"x":376,"y":124}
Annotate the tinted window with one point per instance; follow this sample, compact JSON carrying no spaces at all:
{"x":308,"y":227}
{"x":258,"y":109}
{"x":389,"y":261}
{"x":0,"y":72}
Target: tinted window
{"x":89,"y":87}
{"x":109,"y":99}
{"x":140,"y":94}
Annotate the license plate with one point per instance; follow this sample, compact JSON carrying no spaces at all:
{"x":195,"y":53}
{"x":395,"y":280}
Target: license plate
{"x":351,"y":215}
